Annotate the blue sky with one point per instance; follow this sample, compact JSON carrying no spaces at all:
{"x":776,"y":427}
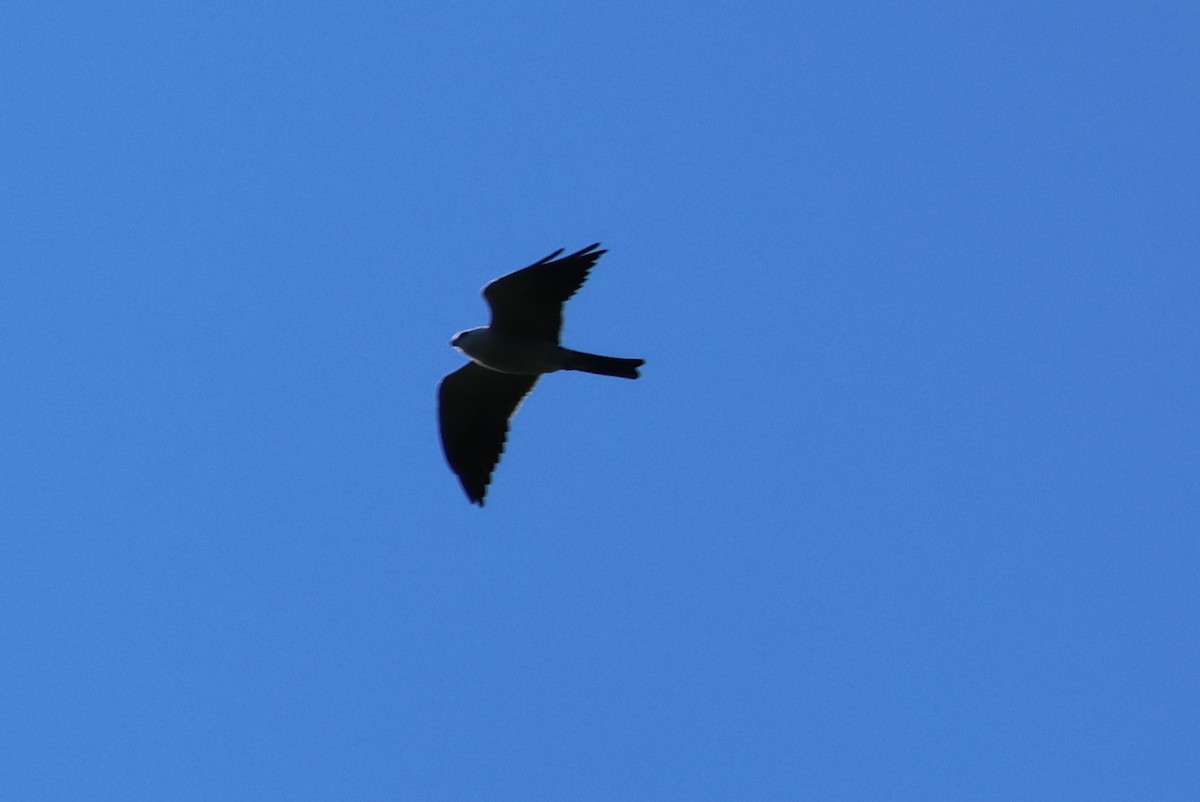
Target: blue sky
{"x":904,"y":506}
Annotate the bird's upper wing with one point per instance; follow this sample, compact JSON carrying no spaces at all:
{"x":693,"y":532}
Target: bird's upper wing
{"x":474,"y":406}
{"x":530,"y":301}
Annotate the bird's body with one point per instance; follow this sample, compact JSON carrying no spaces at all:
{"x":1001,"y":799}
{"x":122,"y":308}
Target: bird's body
{"x":507,"y":357}
{"x":515,"y":353}
{"x":509,"y":353}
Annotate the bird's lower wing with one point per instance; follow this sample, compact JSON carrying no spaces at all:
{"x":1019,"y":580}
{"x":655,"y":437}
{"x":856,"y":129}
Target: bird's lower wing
{"x":474,"y":407}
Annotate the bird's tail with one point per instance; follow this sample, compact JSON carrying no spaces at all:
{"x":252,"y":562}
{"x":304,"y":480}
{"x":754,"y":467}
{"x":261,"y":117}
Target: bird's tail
{"x":604,"y":365}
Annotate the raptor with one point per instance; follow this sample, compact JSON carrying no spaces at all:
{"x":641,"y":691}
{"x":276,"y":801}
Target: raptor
{"x":508,"y":356}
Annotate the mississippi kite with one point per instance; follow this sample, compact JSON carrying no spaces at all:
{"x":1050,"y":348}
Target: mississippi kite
{"x":507,"y":357}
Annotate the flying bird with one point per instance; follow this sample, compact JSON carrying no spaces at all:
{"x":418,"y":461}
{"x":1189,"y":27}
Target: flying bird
{"x":508,"y":356}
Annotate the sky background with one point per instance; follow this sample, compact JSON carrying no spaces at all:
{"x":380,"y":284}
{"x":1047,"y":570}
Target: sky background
{"x":905,"y":505}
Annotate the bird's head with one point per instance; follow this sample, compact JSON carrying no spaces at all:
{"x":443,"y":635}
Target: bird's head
{"x":465,"y":337}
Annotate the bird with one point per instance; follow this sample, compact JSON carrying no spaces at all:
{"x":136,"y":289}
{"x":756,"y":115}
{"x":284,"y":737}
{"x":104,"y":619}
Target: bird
{"x":507,"y":357}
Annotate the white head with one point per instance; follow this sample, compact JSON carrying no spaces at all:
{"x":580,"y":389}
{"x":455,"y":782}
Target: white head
{"x":466,"y":337}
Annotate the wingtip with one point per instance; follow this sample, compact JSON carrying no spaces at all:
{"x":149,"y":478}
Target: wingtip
{"x":549,"y":258}
{"x":589,"y":251}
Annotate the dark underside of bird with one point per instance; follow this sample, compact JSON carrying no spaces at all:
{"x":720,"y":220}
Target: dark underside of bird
{"x":508,"y":356}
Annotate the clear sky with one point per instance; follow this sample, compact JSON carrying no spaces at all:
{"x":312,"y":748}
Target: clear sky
{"x":905,"y":505}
